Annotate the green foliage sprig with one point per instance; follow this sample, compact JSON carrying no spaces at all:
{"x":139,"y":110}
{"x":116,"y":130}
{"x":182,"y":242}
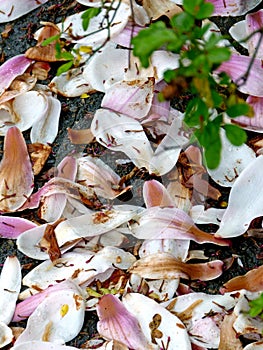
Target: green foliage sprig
{"x":200,"y":54}
{"x":256,"y":307}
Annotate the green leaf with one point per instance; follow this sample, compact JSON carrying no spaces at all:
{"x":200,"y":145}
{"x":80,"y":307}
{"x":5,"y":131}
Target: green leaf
{"x":150,"y":39}
{"x":88,"y":14}
{"x":235,"y":134}
{"x":238,"y":110}
{"x":67,"y":56}
{"x":192,"y":6}
{"x":205,"y":10}
{"x":183,"y":22}
{"x":196,"y":112}
{"x":218,"y":54}
{"x":64,"y":68}
{"x":169,"y":75}
{"x":50,"y":40}
{"x":256,"y":306}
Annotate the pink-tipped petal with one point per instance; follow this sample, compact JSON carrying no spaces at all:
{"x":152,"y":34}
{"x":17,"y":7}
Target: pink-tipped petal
{"x":118,"y":324}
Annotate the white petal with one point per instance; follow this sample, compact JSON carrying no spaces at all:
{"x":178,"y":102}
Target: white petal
{"x":200,"y":215}
{"x":10,"y":10}
{"x":45,"y":130}
{"x":10,"y":284}
{"x":6,"y":335}
{"x":245,"y":201}
{"x":41,"y":345}
{"x":173,"y":330}
{"x":234,"y":159}
{"x":58,"y":318}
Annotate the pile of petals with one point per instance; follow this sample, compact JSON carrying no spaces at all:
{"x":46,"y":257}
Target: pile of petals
{"x":128,"y":262}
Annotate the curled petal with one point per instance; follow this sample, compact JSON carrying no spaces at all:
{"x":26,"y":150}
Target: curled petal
{"x":116,"y":323}
{"x":252,"y":281}
{"x":155,"y":194}
{"x":15,"y":172}
{"x":166,"y":266}
{"x":12,"y":68}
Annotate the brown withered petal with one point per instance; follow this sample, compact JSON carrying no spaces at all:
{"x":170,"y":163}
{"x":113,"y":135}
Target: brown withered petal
{"x":166,"y":266}
{"x":49,"y":241}
{"x":39,"y":154}
{"x":40,"y":70}
{"x":158,"y":8}
{"x":45,"y":53}
{"x":82,"y":136}
{"x":252,"y":281}
{"x":16,"y":175}
{"x":228,"y":336}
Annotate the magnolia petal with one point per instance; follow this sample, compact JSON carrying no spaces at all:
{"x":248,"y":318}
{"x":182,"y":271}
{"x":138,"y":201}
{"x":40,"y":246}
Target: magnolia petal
{"x":170,"y":223}
{"x":58,"y":318}
{"x":10,"y":10}
{"x":234,"y":159}
{"x":155,"y":194}
{"x":71,"y":83}
{"x":255,"y":123}
{"x":254,"y":22}
{"x":117,"y":15}
{"x":102,"y":67}
{"x":238,"y":216}
{"x":252,"y":281}
{"x":53,"y":206}
{"x":11,"y":227}
{"x":121,"y":133}
{"x":6,"y":335}
{"x":26,"y":307}
{"x":116,"y":323}
{"x":166,"y":266}
{"x":22,"y":108}
{"x":13,"y":67}
{"x":20,"y":85}
{"x":15,"y":172}
{"x":233,"y":7}
{"x":254,"y":346}
{"x":10,"y":284}
{"x":132,"y":98}
{"x":41,"y":345}
{"x":94,"y":224}
{"x":159,"y":8}
{"x":200,"y":215}
{"x":45,"y":130}
{"x":236,"y":67}
{"x":177,"y":247}
{"x":158,"y":324}
{"x":95,"y":173}
{"x":82,"y":267}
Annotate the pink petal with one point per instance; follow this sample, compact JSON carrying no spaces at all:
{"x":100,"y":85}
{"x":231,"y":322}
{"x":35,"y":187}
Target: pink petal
{"x":12,"y":68}
{"x":256,"y":122}
{"x":117,"y":323}
{"x":254,"y":22}
{"x":233,"y":7}
{"x":11,"y":226}
{"x":170,"y":223}
{"x":132,"y":98}
{"x":155,"y":194}
{"x":16,"y":172}
{"x":237,"y":67}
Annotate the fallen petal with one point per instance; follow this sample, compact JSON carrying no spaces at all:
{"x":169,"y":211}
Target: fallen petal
{"x":10,"y":10}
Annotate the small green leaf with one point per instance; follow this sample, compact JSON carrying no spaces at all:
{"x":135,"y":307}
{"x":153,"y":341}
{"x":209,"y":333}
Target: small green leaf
{"x":50,"y":40}
{"x":256,"y":306}
{"x":196,"y":112}
{"x":192,"y":6}
{"x":64,"y":68}
{"x":238,"y":109}
{"x":169,"y":75}
{"x":182,"y":22}
{"x":67,"y":56}
{"x":88,"y":14}
{"x":150,"y":39}
{"x":235,"y":134}
{"x":218,"y":54}
{"x":205,"y":10}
